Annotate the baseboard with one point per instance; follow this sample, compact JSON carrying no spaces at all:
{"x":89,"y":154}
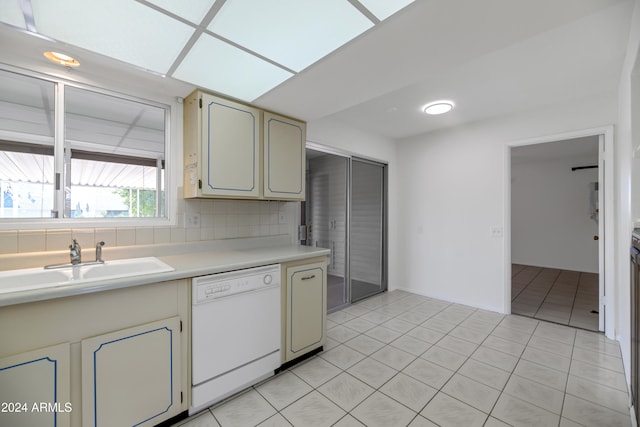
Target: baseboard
{"x":297,"y":360}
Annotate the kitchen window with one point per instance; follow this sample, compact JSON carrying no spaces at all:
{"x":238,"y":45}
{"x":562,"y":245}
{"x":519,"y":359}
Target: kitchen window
{"x":72,"y":152}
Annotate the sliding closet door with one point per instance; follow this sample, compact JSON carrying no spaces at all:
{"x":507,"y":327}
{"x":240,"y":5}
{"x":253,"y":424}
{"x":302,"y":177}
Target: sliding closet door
{"x":367,"y":230}
{"x":325,"y":217}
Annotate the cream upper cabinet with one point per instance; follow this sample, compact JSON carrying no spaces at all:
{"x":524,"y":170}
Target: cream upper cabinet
{"x":221,"y":148}
{"x":232,"y":150}
{"x":284,"y":158}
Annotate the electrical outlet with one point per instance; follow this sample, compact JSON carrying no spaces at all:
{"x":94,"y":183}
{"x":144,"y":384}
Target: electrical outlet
{"x":282,"y":219}
{"x":192,"y":220}
{"x":496,"y":231}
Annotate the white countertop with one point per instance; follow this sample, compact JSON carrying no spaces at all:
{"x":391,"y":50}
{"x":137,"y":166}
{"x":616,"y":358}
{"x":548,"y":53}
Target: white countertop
{"x":187,"y":260}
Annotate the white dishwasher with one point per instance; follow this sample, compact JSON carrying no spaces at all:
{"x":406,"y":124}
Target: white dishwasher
{"x":236,"y":332}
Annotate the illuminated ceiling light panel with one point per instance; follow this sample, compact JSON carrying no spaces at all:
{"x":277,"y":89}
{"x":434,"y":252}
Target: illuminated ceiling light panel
{"x":192,"y":10}
{"x":384,"y":8}
{"x":61,"y":59}
{"x":438,"y":107}
{"x":292,"y":33}
{"x":216,"y":65}
{"x":11,"y":13}
{"x":122,"y":29}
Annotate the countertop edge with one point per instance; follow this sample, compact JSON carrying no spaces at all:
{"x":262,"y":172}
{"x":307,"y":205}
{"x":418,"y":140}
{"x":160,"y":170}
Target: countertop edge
{"x":185,"y":266}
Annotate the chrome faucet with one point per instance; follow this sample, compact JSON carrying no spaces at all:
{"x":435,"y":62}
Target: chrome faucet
{"x":99,"y":246}
{"x":75,"y":252}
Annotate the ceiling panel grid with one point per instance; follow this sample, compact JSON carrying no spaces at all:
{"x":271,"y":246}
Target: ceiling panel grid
{"x":240,"y":48}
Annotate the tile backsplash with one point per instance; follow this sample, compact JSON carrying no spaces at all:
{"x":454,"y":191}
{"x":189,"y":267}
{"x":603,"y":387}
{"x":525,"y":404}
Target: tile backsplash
{"x":196,"y":220}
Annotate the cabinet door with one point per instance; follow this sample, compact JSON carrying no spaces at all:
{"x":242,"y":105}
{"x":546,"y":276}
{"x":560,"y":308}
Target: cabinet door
{"x":284,"y":158}
{"x":34,"y":386}
{"x":230,"y":148}
{"x":132,"y":377}
{"x":306,"y":309}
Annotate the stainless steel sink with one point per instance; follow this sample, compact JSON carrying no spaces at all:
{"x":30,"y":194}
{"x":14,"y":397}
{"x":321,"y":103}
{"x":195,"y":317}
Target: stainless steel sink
{"x":40,"y":278}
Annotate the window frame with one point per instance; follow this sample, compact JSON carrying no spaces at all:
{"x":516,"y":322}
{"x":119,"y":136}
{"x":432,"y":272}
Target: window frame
{"x":60,"y":222}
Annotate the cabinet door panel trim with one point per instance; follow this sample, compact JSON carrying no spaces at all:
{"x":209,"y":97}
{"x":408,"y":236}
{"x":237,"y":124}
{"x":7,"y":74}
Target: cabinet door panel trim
{"x":96,"y":347}
{"x":57,"y":360}
{"x":209,"y":175}
{"x":300,"y":188}
{"x":292,"y":298}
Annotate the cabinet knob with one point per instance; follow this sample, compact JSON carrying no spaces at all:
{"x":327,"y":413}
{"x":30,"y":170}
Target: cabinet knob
{"x":596,"y":237}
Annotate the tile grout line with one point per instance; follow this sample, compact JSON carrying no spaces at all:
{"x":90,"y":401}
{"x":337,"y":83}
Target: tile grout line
{"x":574,"y":299}
{"x":547,"y":294}
{"x":564,"y":396}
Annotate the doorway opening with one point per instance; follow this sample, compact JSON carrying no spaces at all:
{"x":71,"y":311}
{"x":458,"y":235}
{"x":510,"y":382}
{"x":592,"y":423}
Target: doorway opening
{"x":557,"y":219}
{"x":345,"y":212}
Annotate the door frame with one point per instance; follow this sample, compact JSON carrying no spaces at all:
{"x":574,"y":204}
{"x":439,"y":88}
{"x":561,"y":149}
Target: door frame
{"x":606,"y":268}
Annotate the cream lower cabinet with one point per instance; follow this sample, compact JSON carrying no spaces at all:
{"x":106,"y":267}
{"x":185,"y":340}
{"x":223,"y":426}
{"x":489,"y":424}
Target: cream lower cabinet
{"x":305,"y":307}
{"x":132,"y":377}
{"x":35,"y":388}
{"x":124,"y":362}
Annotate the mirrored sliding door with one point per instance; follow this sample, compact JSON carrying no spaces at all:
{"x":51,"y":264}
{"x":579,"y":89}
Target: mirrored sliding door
{"x":367,"y":237}
{"x":325,"y":216}
{"x":345,"y":212}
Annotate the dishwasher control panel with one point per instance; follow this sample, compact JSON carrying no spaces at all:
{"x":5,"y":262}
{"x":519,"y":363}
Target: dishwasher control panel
{"x":206,"y":288}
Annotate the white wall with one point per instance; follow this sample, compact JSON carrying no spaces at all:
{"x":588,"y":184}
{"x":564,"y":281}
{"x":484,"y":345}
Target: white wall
{"x":334,"y":134}
{"x":453,"y":191}
{"x":550,"y":217}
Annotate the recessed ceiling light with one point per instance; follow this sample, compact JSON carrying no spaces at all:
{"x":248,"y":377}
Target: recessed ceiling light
{"x":125,"y":30}
{"x":438,"y":107}
{"x":61,"y":59}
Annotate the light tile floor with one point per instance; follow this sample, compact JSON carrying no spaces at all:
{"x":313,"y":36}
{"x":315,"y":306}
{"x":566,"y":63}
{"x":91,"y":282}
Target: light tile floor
{"x":400,"y":359}
{"x":560,"y":296}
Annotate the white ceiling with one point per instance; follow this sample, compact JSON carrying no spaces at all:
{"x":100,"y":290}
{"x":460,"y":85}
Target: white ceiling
{"x":491,"y":57}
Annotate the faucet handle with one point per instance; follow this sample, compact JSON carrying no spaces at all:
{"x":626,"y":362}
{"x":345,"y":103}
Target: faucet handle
{"x":99,"y":246}
{"x":75,"y":252}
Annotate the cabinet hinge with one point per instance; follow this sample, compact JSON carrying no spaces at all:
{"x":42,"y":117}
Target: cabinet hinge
{"x":200,"y":102}
{"x":200,"y":184}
